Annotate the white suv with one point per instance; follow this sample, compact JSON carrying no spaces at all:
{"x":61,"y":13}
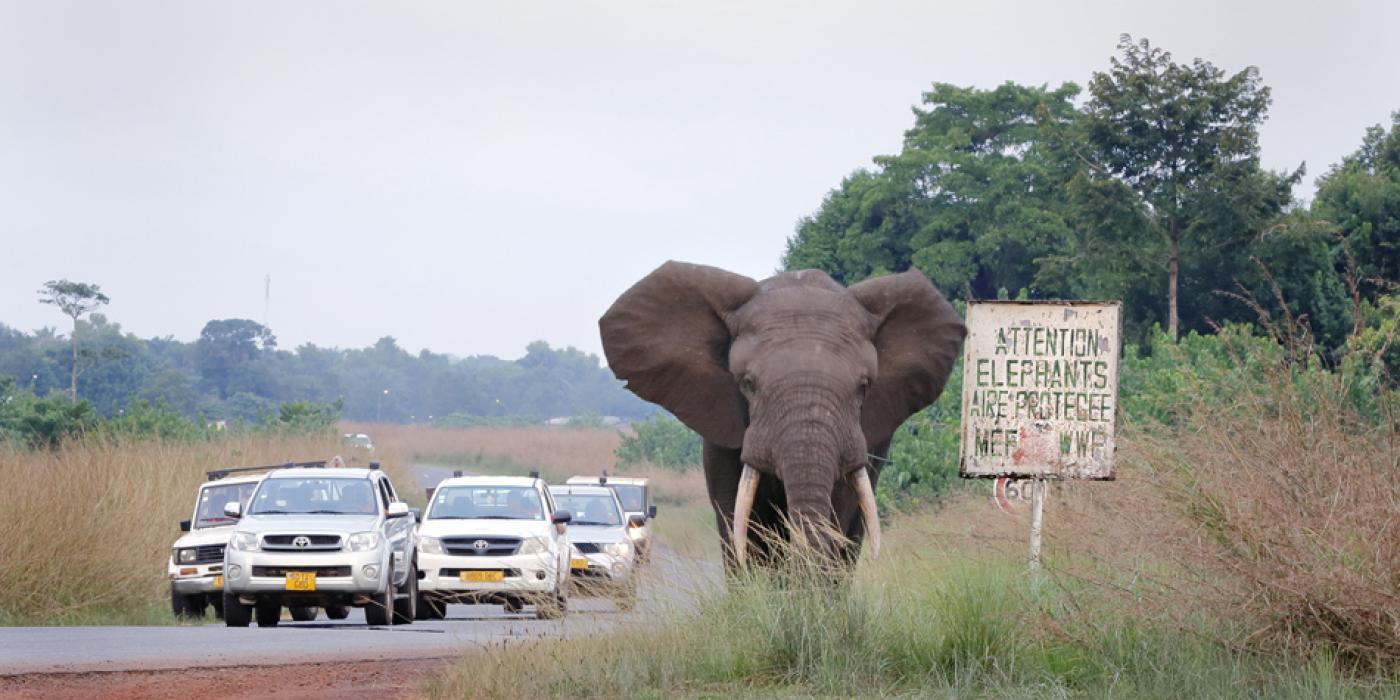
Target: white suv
{"x":605,"y":559}
{"x":321,"y":538}
{"x":196,"y":566}
{"x":635,"y":495}
{"x":493,"y":539}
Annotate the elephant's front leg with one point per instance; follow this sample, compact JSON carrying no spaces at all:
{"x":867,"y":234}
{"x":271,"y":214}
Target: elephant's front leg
{"x":767,"y":520}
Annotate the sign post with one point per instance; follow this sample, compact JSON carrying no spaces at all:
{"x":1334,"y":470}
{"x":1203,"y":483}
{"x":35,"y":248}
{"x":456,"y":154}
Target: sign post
{"x":1040,"y":394}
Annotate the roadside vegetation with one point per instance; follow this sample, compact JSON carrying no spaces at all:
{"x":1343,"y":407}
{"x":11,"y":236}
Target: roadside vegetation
{"x":86,"y":528}
{"x":1247,"y":549}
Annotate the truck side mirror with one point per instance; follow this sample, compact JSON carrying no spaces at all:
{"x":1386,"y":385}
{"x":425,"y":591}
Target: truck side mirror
{"x":417,"y":515}
{"x":651,"y":512}
{"x":636,"y":520}
{"x":184,"y":526}
{"x":233,"y":509}
{"x":397,"y":509}
{"x":561,"y":516}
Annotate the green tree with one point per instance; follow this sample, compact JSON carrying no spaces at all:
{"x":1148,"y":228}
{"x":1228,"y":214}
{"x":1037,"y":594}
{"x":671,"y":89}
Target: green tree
{"x":1172,"y":175}
{"x":1361,"y":197}
{"x":972,"y":199}
{"x":75,"y":300}
{"x":226,"y":351}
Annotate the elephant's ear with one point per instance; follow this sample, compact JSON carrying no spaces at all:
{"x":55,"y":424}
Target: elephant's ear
{"x":667,"y":337}
{"x":917,"y":338}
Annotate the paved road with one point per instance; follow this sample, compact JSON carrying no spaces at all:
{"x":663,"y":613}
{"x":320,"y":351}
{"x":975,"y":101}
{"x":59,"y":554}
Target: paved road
{"x":80,"y":649}
{"x":670,"y":581}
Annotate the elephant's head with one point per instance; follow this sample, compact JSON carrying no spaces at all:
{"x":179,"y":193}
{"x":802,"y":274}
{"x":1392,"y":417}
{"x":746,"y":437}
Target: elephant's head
{"x":801,"y":375}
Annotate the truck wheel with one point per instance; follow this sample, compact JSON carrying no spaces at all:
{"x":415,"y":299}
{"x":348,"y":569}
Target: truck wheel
{"x":236,"y":614}
{"x":430,"y":607}
{"x":186,"y":605}
{"x":627,"y":597}
{"x":177,"y":602}
{"x":377,"y":613}
{"x":268,"y":611}
{"x":337,"y":612}
{"x":551,"y":606}
{"x":406,"y":604}
{"x":304,"y":613}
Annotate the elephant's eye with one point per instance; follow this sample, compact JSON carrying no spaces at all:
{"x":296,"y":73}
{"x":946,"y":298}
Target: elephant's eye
{"x":748,"y":385}
{"x":864,"y":386}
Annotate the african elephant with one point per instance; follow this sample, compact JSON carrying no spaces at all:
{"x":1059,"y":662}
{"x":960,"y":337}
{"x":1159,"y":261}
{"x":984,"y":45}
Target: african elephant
{"x":796,"y":384}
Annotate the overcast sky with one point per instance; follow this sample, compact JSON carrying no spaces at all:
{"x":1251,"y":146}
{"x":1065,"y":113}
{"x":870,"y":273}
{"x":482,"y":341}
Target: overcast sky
{"x":471,"y":176}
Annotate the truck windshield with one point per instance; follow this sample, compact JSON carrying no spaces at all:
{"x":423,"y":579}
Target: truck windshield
{"x":314,"y":496}
{"x":633,"y":497}
{"x":590,"y":509}
{"x":209,"y":512}
{"x":486,"y":503}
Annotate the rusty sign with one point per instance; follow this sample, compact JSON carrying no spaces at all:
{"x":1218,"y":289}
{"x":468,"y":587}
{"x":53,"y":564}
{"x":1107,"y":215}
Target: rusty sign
{"x":1040,"y":389}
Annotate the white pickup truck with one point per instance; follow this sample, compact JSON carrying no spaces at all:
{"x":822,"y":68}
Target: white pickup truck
{"x":493,"y":539}
{"x":196,"y":566}
{"x":327,"y":538}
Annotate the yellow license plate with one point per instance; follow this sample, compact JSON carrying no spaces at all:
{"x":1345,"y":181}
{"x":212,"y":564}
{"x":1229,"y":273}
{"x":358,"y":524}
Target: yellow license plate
{"x":483,"y":576}
{"x":218,"y":581}
{"x":301,"y":580}
{"x":578,"y":563}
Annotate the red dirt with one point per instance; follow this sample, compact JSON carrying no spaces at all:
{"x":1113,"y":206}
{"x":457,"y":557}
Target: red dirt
{"x":322,"y":681}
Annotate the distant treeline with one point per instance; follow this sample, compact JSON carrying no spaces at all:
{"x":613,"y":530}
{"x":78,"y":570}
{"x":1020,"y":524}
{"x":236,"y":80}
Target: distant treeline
{"x":235,"y":372}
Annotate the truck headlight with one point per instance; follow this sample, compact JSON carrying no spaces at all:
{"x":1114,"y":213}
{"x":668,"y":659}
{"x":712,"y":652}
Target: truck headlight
{"x":534,"y":545}
{"x":364,"y":541}
{"x":618,"y":549}
{"x":185,"y":556}
{"x":244,"y":542}
{"x":429,"y":545}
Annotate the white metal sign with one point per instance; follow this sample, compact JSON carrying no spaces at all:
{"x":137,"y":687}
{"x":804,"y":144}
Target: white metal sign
{"x":1040,"y":389}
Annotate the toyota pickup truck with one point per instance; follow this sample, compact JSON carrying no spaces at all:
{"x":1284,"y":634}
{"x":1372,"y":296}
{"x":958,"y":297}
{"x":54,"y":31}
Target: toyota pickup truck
{"x":332,"y":538}
{"x":196,"y":566}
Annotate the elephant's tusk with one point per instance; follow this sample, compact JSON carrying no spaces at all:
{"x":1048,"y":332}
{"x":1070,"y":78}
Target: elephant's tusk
{"x":743,"y":505}
{"x":869,"y":510}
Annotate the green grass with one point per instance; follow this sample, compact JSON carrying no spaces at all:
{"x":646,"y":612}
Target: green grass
{"x":918,"y":624}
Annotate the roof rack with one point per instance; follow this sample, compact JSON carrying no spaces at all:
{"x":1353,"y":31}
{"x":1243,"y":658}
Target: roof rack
{"x":216,"y":474}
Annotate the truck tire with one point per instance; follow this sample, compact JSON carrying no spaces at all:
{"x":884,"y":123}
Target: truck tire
{"x":337,"y":612}
{"x":381,"y":605}
{"x":551,"y":606}
{"x":186,"y":605}
{"x":430,"y":607}
{"x":236,"y":614}
{"x":406,"y":603}
{"x":304,"y":613}
{"x":268,"y":611}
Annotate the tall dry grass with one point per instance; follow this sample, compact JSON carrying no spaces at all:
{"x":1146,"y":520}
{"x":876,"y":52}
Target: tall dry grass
{"x":1276,"y":509}
{"x":86,"y":530}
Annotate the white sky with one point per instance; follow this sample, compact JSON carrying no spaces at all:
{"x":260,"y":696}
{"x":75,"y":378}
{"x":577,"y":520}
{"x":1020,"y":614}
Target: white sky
{"x":471,"y":176}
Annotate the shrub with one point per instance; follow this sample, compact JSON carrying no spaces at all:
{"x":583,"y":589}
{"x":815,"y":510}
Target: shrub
{"x":662,"y":441}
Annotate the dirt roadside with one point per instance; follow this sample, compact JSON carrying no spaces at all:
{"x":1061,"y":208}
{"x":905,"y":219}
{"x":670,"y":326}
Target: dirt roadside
{"x":322,"y":681}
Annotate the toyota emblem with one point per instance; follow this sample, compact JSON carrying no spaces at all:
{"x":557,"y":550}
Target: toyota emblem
{"x":480,"y":545}
{"x":301,"y":542}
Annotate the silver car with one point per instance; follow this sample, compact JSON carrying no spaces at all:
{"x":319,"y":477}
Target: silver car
{"x":321,"y":538}
{"x":604,"y":558}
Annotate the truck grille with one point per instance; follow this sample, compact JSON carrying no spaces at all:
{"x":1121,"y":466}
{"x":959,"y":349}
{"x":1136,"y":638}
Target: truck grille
{"x":481,"y":546}
{"x":208,"y":554}
{"x":319,"y":543}
{"x":588,"y":547}
{"x":326,"y":571}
